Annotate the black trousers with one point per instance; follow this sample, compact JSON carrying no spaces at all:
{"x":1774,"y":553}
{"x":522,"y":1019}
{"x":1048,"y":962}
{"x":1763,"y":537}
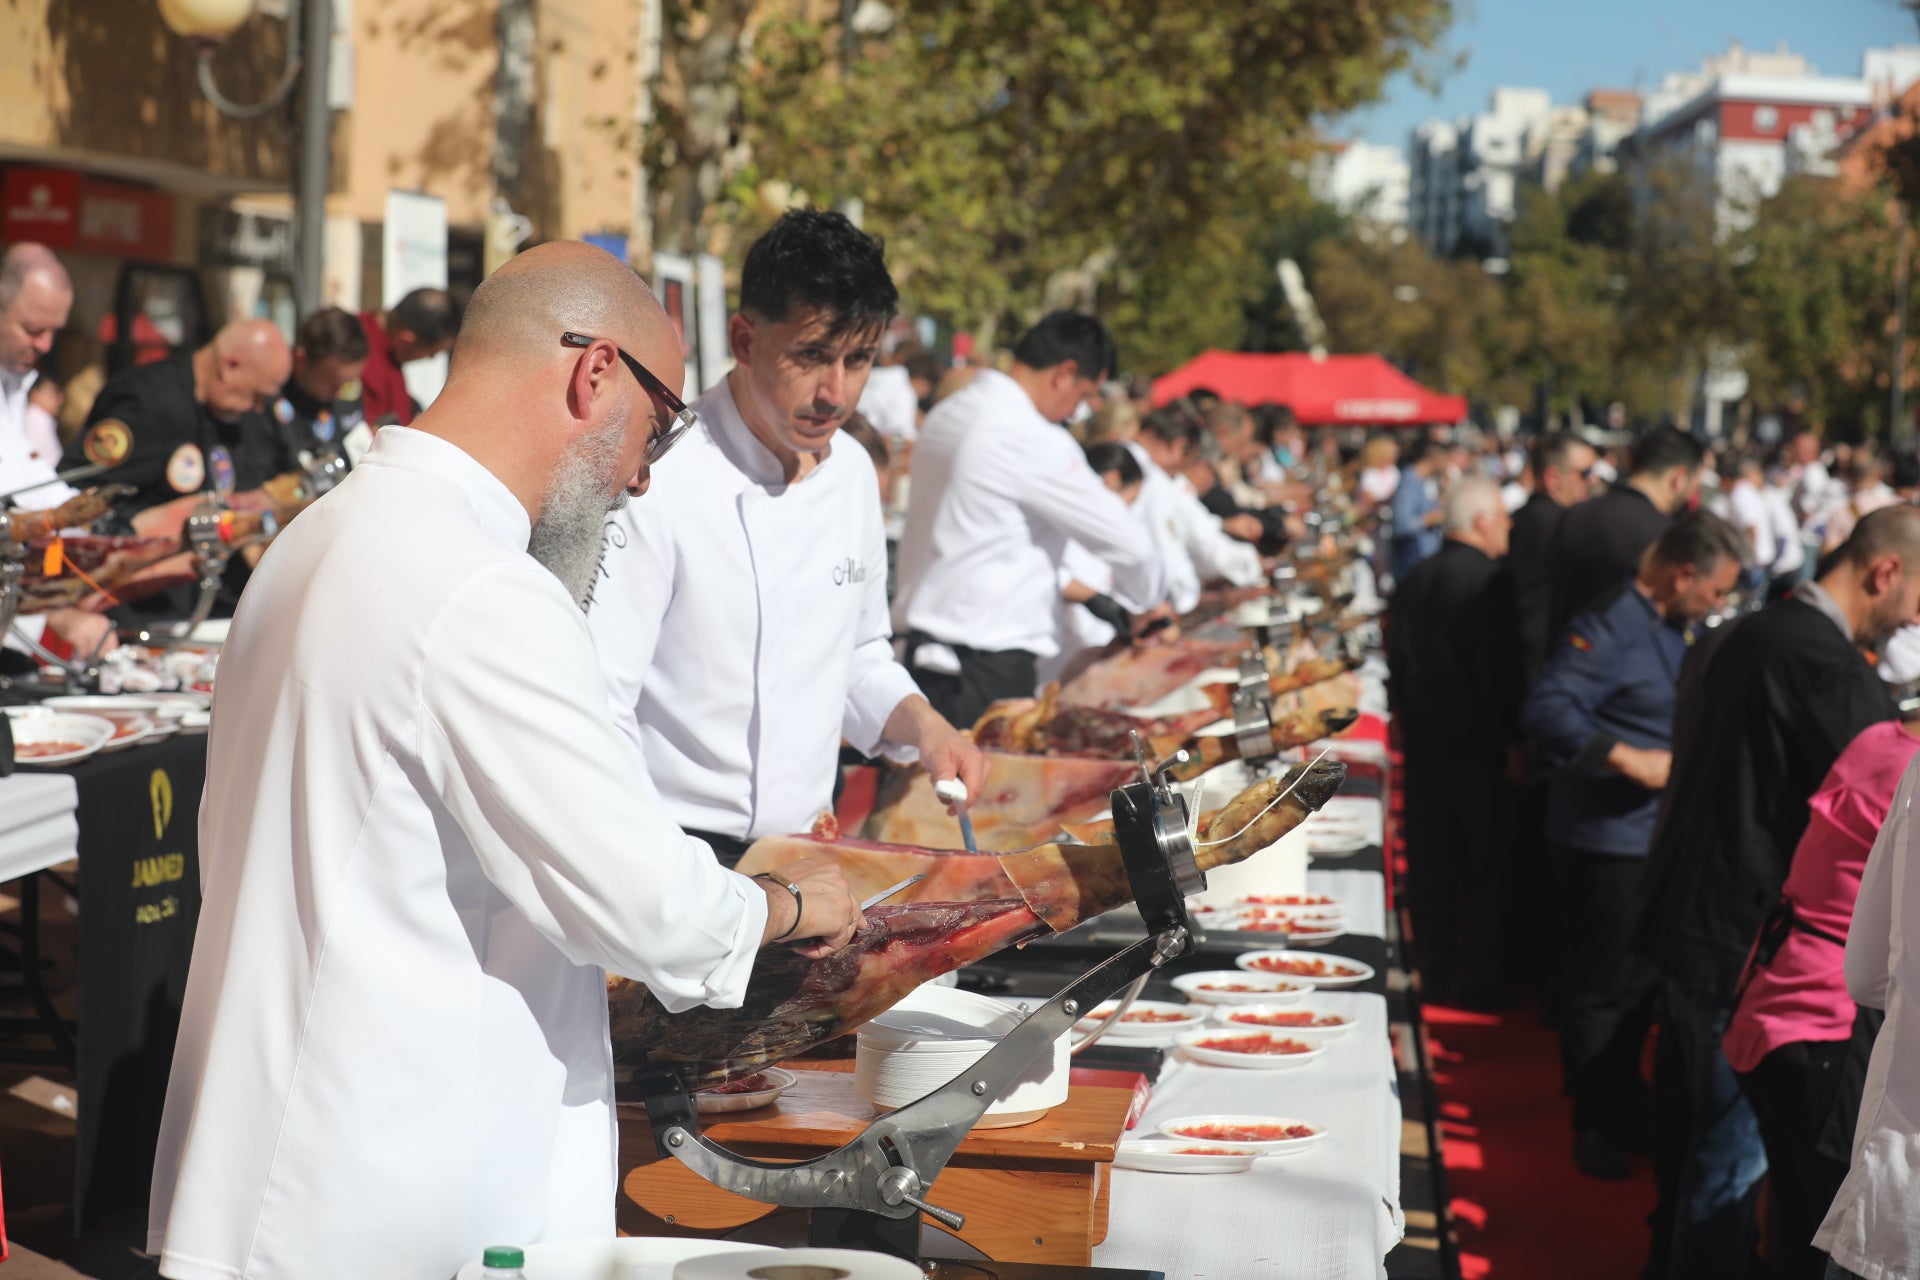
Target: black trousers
{"x":1807,"y":1099}
{"x":1605,"y":990}
{"x":986,"y":676}
{"x":1459,"y":874}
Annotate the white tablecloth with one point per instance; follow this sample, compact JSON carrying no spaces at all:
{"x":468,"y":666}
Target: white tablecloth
{"x":1362,"y":893}
{"x":37,"y":826}
{"x":1332,"y":1211}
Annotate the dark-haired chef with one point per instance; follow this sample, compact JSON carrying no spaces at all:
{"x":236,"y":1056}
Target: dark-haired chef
{"x":999,"y":490}
{"x":741,"y":612}
{"x":320,"y":410}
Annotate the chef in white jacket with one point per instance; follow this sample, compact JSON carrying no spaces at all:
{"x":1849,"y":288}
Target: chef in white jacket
{"x":416,"y":865}
{"x":999,"y":489}
{"x":1166,"y":442}
{"x":35,"y":298}
{"x":741,"y":614}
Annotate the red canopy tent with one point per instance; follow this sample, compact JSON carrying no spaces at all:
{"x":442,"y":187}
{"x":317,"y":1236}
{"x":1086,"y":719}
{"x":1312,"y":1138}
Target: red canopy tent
{"x":1335,"y":391}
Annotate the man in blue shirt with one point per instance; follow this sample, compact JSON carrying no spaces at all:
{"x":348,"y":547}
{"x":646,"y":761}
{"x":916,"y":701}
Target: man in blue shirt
{"x":1416,"y":511}
{"x":1602,"y":715}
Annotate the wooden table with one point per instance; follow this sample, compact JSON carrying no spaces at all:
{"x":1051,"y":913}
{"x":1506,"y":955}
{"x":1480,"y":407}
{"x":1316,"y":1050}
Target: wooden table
{"x":1037,"y":1193}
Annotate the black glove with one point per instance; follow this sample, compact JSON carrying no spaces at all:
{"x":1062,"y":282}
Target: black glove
{"x":1111,"y":612}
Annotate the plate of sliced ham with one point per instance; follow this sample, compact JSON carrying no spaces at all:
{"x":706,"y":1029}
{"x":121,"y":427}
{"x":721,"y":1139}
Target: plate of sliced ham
{"x":1249,"y":1049}
{"x":1299,"y":1021}
{"x":58,"y":737}
{"x":1305,"y":966}
{"x":1268,"y":1135}
{"x":1146,"y":1019}
{"x":1232,"y":987}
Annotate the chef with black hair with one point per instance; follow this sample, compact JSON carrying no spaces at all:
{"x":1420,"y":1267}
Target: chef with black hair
{"x":741,"y":616}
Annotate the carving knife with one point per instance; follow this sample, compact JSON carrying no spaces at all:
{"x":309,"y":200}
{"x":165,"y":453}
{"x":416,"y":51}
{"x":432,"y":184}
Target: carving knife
{"x":884,"y":894}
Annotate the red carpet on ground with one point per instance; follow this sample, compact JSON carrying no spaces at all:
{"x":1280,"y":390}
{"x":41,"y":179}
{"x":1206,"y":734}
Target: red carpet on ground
{"x":1520,"y":1208}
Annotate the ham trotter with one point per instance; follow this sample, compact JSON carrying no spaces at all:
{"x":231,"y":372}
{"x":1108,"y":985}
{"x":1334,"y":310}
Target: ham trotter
{"x":1147,"y":673}
{"x":970,"y":906}
{"x":1025,"y":800}
{"x":1293,"y":729}
{"x":107,"y":561}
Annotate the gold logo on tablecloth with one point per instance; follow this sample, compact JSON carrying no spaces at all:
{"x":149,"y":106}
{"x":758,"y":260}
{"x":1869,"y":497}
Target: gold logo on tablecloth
{"x":160,"y":787}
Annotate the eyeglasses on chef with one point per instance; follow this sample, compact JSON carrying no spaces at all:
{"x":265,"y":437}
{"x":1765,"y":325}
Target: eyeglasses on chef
{"x":683,"y":417}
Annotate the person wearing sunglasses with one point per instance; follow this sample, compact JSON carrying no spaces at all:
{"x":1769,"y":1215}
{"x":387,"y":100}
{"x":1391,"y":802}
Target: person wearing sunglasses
{"x":1561,"y":463}
{"x":741,"y":615}
{"x":418,"y":865}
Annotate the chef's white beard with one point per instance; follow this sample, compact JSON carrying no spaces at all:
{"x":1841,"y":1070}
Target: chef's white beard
{"x":568,"y":537}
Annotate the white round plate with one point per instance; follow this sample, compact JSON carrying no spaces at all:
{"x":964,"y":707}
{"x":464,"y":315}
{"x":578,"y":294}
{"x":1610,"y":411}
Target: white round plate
{"x":629,"y":1258}
{"x":1229,"y":1015}
{"x":1188,"y":1019}
{"x":1153,"y":1155}
{"x":87,"y":733}
{"x":27,"y":709}
{"x":1183,"y":1130}
{"x":127,"y":730}
{"x":1340,"y":971}
{"x":1336,"y":846}
{"x":1291,"y":902}
{"x":1272,"y":988}
{"x":190,"y":699}
{"x":1197,"y":1047}
{"x":774,"y":1083}
{"x":195,"y":722}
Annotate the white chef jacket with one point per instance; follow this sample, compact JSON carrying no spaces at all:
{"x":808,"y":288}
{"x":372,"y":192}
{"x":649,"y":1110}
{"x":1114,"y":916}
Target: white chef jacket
{"x":421,"y":839}
{"x":1158,"y":507}
{"x":888,"y":402}
{"x":1215,"y":552}
{"x":998,"y":491}
{"x":1871,"y":1228}
{"x":1747,"y":511}
{"x":22,"y":464}
{"x":1789,"y":552}
{"x":742,"y":627}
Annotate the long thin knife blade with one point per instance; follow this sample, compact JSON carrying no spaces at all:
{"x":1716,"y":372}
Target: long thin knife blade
{"x":884,"y":894}
{"x":966,"y":832}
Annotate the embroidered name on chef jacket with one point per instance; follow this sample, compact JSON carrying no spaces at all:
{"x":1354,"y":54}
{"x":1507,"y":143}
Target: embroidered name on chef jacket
{"x":849,"y":572}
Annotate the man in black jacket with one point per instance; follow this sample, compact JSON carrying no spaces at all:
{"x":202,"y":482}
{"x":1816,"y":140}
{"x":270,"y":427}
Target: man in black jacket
{"x":1561,"y":463}
{"x":1453,"y":661}
{"x":1601,"y":541}
{"x":1764,"y":719}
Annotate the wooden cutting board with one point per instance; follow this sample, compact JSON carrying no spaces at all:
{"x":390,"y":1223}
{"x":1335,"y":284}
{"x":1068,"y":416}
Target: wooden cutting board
{"x":1037,"y":1193}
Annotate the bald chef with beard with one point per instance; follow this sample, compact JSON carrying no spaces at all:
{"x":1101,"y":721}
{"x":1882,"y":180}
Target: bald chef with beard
{"x":742,"y":617}
{"x":417,"y":864}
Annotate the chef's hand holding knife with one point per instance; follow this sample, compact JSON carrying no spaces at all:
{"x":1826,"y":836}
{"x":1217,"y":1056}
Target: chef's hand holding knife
{"x":810,"y":907}
{"x":945,"y":752}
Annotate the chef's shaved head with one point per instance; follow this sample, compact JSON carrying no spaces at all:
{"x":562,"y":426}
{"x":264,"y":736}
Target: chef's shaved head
{"x":1890,"y":531}
{"x":519,"y":312}
{"x":243,"y":368}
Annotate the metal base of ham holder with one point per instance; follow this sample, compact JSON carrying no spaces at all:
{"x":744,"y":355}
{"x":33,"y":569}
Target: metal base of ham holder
{"x":870,"y":1193}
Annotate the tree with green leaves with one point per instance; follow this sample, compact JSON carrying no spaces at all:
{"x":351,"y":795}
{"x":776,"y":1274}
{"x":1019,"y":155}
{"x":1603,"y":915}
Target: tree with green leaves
{"x":1105,"y":153}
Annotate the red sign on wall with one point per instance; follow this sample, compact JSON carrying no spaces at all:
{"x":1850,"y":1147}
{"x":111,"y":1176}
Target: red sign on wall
{"x":63,"y":210}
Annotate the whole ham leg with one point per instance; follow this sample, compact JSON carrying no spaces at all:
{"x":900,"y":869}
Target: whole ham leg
{"x":1147,"y":673}
{"x":793,"y":1003}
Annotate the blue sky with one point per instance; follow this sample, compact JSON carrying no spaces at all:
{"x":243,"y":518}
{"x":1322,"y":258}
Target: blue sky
{"x":1570,"y":46}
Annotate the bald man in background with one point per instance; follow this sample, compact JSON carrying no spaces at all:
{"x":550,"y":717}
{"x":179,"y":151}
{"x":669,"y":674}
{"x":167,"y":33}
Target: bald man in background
{"x":416,"y":865}
{"x":35,"y":298}
{"x":194,"y":421}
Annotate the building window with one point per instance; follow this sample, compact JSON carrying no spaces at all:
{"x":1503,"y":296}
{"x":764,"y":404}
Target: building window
{"x":1766,"y":119}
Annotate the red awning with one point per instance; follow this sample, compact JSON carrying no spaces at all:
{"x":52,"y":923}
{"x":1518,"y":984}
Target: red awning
{"x":1336,"y":391}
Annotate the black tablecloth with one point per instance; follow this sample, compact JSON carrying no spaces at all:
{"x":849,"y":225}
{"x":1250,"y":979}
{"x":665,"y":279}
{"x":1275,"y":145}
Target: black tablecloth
{"x":139,"y":813}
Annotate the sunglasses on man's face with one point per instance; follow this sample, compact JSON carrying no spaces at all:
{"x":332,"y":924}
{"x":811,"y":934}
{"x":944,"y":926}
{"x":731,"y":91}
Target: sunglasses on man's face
{"x":683,"y":418}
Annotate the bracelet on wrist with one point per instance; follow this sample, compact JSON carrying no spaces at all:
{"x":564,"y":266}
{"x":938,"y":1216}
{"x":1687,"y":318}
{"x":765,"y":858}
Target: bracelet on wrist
{"x":799,"y":903}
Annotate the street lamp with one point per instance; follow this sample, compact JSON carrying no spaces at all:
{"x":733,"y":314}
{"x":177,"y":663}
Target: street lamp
{"x":309,"y":40}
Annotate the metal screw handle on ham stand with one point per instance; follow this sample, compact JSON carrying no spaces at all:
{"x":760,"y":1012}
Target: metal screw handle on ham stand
{"x":13,"y":568}
{"x":211,"y":538}
{"x":871,"y":1192}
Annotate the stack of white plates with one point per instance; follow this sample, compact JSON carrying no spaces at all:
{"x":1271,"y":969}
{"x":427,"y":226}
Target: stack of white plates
{"x":935,"y":1034}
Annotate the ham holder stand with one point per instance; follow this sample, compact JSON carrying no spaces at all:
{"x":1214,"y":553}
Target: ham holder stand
{"x":871,"y":1192}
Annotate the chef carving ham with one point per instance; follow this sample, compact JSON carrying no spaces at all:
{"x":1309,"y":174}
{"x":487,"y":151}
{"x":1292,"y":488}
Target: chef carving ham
{"x":968,"y":907}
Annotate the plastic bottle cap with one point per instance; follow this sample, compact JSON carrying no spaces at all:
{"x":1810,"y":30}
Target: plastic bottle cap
{"x":503,"y":1257}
